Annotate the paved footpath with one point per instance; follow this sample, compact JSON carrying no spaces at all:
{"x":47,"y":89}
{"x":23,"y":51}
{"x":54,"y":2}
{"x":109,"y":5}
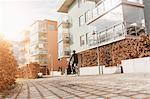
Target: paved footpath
{"x":117,"y":86}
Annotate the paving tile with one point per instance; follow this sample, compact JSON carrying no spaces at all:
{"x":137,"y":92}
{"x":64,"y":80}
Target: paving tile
{"x":141,"y":96}
{"x":51,"y":97}
{"x":124,"y":86}
{"x":91,"y":97}
{"x":128,"y":93}
{"x":109,"y":95}
{"x":120,"y":97}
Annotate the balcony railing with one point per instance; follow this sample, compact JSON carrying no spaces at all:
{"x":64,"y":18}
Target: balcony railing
{"x":136,"y":1}
{"x":39,"y":52}
{"x":109,"y":35}
{"x":115,"y":33}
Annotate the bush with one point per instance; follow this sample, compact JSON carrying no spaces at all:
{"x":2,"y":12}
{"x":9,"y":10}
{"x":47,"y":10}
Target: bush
{"x":7,"y":65}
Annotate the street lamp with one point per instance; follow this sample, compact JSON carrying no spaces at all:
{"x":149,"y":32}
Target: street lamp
{"x":97,"y":50}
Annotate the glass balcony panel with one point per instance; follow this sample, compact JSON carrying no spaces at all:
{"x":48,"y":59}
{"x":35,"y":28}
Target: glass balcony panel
{"x":100,"y":8}
{"x":136,"y":1}
{"x":118,"y":30}
{"x":109,"y":34}
{"x":115,"y":2}
{"x":102,"y":36}
{"x":95,"y":12}
{"x":107,"y":5}
{"x":89,"y":15}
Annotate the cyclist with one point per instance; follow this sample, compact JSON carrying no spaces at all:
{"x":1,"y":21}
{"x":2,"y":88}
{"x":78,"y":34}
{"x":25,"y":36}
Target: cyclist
{"x":74,"y":61}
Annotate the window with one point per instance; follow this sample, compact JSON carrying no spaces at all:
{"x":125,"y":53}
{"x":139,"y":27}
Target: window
{"x":60,"y":49}
{"x":80,"y":2}
{"x":87,"y":38}
{"x":51,"y":27}
{"x":82,"y":40}
{"x":81,"y":20}
{"x":81,"y":57}
{"x":66,"y":53}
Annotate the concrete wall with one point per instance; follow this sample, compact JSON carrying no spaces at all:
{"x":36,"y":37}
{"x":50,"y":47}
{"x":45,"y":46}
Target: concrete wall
{"x":147,"y":14}
{"x":139,"y":65}
{"x":94,"y":70}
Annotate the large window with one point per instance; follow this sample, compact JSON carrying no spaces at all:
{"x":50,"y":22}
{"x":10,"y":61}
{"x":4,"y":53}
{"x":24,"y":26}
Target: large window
{"x":82,"y":40}
{"x":81,"y":20}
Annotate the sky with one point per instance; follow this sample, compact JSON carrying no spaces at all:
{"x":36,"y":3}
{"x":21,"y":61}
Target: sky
{"x":18,"y":15}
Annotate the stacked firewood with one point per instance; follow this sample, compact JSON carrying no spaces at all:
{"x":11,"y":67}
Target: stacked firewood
{"x":144,"y":45}
{"x":105,"y":54}
{"x":125,"y":49}
{"x":112,"y":54}
{"x":8,"y":65}
{"x":89,"y":58}
{"x":29,"y":71}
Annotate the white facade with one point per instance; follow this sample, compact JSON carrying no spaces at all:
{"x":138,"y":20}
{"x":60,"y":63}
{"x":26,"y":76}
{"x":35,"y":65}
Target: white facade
{"x":109,"y":19}
{"x":77,"y":30}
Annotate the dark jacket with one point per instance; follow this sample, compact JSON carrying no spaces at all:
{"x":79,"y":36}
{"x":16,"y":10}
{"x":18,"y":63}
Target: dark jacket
{"x":74,"y":58}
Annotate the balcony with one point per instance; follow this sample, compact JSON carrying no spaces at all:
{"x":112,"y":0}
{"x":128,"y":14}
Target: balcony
{"x":38,"y":52}
{"x":63,"y":20}
{"x":105,"y":6}
{"x":115,"y":33}
{"x":63,"y":33}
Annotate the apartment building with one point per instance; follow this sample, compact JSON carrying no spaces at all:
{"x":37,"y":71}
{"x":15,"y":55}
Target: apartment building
{"x":95,"y":23}
{"x":43,"y":45}
{"x":75,"y":12}
{"x":25,"y":43}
